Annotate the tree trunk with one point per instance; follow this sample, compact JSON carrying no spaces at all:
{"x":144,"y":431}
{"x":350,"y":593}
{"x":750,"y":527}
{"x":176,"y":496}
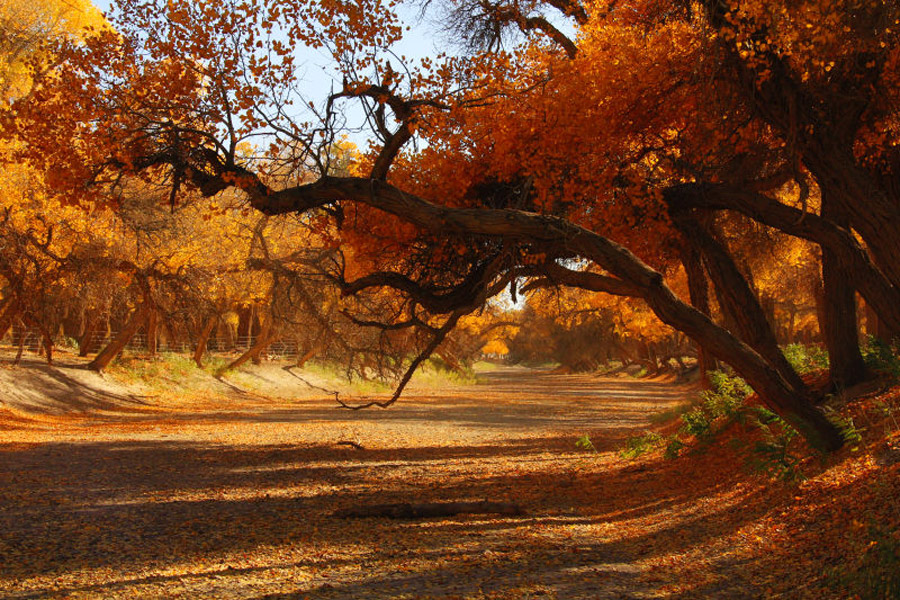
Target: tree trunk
{"x":698,"y":289}
{"x":152,"y":327}
{"x":46,"y":338}
{"x":822,"y":129}
{"x":302,"y":360}
{"x":839,"y":328}
{"x":203,"y":340}
{"x":264,"y":339}
{"x":792,"y":403}
{"x":870,"y":280}
{"x":91,"y":328}
{"x":737,"y":299}
{"x":21,"y":344}
{"x":115,"y":347}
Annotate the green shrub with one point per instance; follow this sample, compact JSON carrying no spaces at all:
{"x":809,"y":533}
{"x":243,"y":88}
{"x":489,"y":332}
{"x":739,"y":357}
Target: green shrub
{"x":772,"y":454}
{"x":585,"y":443}
{"x":881,"y":357}
{"x":673,"y":448}
{"x":729,"y":385}
{"x":641,"y":444}
{"x":806,"y":359}
{"x":698,"y":423}
{"x":724,"y":400}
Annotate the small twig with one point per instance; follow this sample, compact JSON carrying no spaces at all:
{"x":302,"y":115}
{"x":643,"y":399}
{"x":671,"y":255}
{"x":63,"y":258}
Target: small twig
{"x":349,"y":443}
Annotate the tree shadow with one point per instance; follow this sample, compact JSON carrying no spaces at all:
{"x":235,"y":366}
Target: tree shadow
{"x":64,"y":388}
{"x":130,"y":506}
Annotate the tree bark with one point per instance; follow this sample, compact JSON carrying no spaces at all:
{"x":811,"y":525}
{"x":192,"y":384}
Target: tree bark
{"x":736,"y":298}
{"x":86,"y":342}
{"x":115,"y":347}
{"x":864,"y":275}
{"x":46,"y":338}
{"x":698,"y":290}
{"x":7,"y":317}
{"x":821,"y":126}
{"x":839,"y":328}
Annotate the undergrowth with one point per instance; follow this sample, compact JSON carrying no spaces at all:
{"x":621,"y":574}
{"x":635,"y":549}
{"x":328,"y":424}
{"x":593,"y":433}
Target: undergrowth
{"x":161,"y":369}
{"x":881,"y":358}
{"x":770,"y":451}
{"x":806,"y":358}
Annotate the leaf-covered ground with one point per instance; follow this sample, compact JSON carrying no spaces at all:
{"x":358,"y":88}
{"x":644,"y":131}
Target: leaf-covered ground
{"x":228,"y":494}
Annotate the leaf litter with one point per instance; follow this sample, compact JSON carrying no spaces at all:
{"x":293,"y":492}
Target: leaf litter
{"x":230,"y":496}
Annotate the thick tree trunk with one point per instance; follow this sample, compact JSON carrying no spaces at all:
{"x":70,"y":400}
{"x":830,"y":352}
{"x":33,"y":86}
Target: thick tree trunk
{"x":737,"y":299}
{"x":46,"y":338}
{"x":822,"y":129}
{"x":794,"y":404}
{"x":21,"y":343}
{"x":203,"y":340}
{"x":839,"y":328}
{"x":115,"y":347}
{"x":305,"y":358}
{"x":876,"y":328}
{"x":699,"y":292}
{"x":266,"y":336}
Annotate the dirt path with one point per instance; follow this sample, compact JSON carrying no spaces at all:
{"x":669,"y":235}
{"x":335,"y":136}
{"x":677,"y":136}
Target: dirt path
{"x":230,"y":497}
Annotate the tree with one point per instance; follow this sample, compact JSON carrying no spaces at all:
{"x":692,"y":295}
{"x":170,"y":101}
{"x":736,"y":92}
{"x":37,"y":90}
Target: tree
{"x":498,"y":193}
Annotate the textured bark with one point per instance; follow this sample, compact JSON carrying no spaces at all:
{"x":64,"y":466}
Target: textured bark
{"x":737,"y":299}
{"x":698,"y":289}
{"x":309,"y":354}
{"x":429,"y":510}
{"x":839,"y":327}
{"x":821,"y":126}
{"x":7,"y":317}
{"x":91,"y":326}
{"x":794,"y":405}
{"x":115,"y":347}
{"x":46,"y":338}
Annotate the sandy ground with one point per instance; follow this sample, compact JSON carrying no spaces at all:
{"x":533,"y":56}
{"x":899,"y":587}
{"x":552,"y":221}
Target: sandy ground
{"x":108,"y":492}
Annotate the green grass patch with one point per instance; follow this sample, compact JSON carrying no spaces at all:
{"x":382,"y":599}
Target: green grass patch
{"x":159,"y":371}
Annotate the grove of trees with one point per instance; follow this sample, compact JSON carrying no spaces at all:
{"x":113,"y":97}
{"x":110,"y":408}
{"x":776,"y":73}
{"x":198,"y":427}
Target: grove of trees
{"x":671,"y":152}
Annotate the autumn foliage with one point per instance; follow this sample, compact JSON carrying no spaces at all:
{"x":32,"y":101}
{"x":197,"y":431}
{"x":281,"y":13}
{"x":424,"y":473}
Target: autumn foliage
{"x":657,"y":151}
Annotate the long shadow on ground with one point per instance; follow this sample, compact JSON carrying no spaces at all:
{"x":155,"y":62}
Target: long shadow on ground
{"x":135,"y":506}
